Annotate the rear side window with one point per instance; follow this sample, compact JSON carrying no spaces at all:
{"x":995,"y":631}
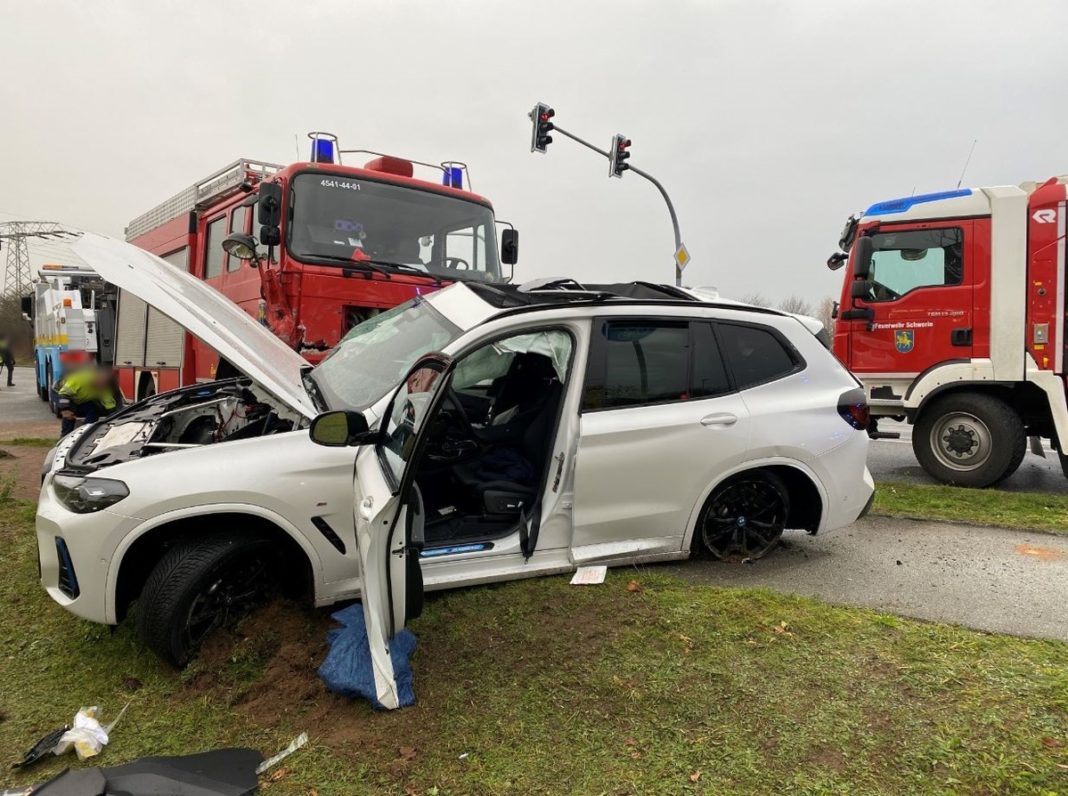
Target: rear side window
{"x":638,"y":362}
{"x":708,"y":376}
{"x":755,"y":354}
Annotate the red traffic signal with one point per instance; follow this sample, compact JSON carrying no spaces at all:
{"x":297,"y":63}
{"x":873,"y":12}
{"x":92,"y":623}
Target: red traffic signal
{"x":617,"y":155}
{"x":541,"y":117}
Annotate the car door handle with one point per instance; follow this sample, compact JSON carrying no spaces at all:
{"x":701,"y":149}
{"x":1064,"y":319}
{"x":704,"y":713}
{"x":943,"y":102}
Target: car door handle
{"x":720,"y":419}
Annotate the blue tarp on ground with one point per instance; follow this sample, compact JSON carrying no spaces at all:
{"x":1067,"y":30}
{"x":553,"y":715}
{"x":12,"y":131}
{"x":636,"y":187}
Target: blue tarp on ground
{"x":347,"y":668}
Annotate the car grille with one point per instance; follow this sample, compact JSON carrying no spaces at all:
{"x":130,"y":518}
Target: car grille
{"x":68,"y":581}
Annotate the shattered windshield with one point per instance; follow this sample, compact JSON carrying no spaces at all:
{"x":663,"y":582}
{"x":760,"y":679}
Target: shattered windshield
{"x":373,"y":358}
{"x":339,"y":219}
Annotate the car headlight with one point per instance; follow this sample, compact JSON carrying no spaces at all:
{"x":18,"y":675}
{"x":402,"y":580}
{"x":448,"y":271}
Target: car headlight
{"x":86,"y":495}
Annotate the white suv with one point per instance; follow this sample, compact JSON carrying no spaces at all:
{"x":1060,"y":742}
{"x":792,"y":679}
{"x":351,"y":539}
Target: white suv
{"x":532,"y":432}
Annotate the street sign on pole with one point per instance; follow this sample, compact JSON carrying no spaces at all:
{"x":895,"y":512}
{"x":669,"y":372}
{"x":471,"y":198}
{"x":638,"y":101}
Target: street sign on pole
{"x":682,"y":256}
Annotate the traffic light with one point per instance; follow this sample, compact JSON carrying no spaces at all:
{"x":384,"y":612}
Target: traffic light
{"x":617,"y":155}
{"x":541,"y":117}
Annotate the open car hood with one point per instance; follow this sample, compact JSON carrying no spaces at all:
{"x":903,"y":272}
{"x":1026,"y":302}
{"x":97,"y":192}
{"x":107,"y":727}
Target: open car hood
{"x":204,"y":312}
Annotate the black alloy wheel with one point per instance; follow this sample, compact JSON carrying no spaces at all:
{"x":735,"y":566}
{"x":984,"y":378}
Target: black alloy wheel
{"x":744,"y":517}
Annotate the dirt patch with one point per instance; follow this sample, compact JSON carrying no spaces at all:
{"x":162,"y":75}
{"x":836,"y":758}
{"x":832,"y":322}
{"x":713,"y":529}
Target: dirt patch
{"x":21,"y":469}
{"x":266,"y":668}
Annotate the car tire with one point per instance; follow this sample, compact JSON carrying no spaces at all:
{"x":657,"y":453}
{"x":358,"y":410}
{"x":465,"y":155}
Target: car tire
{"x":42,"y":389}
{"x":744,"y":517}
{"x":201,"y":585}
{"x":969,"y":439}
{"x":49,"y":386}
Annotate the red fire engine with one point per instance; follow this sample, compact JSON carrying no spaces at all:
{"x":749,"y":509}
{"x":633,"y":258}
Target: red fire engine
{"x":952,"y":315}
{"x":311,"y":249}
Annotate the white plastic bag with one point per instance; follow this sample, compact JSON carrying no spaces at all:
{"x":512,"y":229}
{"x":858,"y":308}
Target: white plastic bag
{"x":86,"y":735}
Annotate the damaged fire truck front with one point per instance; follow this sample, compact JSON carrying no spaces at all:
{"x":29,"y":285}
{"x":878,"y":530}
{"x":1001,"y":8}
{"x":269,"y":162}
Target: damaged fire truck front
{"x":310,"y":249}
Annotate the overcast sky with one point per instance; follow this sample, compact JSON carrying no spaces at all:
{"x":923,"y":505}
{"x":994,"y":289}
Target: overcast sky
{"x":768,"y":122}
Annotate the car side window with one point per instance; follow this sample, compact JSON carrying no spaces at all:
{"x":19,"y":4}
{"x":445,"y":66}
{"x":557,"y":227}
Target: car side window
{"x":708,"y":374}
{"x":638,"y":362}
{"x":755,"y":354}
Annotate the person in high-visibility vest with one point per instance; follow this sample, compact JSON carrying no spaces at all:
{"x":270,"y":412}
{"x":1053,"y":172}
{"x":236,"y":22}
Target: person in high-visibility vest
{"x":87,"y":393}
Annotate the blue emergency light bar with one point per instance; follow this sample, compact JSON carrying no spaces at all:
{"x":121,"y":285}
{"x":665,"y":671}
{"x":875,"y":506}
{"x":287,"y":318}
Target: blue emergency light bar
{"x":322,"y":150}
{"x":453,"y":176}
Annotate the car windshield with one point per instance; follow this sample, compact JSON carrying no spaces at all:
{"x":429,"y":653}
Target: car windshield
{"x":373,"y":358}
{"x":342,"y":219}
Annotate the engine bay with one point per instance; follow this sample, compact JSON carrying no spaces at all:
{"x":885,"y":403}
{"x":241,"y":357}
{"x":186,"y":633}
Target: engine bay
{"x":202,"y":414}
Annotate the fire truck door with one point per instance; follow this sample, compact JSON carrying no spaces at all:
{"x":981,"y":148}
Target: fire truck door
{"x":919,"y":289}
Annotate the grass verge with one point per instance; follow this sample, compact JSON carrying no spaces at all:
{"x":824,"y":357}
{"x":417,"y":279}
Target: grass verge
{"x":655,"y":686}
{"x":29,"y":442}
{"x":1026,"y":510}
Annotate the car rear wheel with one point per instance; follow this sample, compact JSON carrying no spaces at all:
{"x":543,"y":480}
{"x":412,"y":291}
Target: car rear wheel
{"x":969,"y":439}
{"x":744,"y":517}
{"x":199,"y":586}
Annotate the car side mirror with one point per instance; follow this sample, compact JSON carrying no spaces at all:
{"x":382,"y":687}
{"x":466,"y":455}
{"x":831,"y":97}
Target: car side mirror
{"x":861,"y":288}
{"x":864,"y":249}
{"x":341,"y":429}
{"x":510,"y":246}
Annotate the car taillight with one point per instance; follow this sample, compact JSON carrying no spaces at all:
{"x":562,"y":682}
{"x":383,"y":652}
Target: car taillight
{"x":853,"y":407}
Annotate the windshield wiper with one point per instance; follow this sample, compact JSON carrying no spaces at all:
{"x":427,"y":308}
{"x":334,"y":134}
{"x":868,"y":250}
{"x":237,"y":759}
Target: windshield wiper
{"x":356,"y":265}
{"x":411,"y":269}
{"x":312,"y":388}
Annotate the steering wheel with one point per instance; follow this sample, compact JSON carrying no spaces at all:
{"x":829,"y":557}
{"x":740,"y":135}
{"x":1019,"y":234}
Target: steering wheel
{"x":455,"y":263}
{"x":881,"y":292}
{"x":461,"y":413}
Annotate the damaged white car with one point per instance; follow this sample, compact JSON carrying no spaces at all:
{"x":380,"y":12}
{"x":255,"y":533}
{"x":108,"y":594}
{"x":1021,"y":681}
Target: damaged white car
{"x":538,"y":430}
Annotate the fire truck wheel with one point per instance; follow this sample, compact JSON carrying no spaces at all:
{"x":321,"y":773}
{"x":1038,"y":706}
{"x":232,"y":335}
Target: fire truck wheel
{"x":969,"y":439}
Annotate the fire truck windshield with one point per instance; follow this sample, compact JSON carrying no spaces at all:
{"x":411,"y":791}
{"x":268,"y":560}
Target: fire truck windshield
{"x":338,"y":219}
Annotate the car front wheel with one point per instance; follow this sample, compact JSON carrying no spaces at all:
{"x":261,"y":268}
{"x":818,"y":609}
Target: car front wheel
{"x":744,"y":517}
{"x":201,"y":585}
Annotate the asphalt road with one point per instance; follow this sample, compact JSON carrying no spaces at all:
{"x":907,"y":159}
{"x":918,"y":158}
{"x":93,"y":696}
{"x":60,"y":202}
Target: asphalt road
{"x":989,"y":579}
{"x":893,"y":460}
{"x":21,"y":409}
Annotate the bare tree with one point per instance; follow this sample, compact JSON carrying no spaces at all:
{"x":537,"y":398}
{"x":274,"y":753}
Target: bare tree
{"x":824,"y":312}
{"x":15,"y":328}
{"x":757,"y":298}
{"x":796,"y":305}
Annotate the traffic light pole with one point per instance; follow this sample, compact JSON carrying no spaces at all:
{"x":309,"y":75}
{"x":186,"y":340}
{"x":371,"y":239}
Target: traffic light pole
{"x":650,"y":178}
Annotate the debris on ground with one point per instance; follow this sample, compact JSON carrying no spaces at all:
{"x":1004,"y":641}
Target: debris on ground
{"x":87,"y":736}
{"x":43,"y":747}
{"x":294,"y":745}
{"x":220,"y":772}
{"x":347,"y":668}
{"x":589,"y":576}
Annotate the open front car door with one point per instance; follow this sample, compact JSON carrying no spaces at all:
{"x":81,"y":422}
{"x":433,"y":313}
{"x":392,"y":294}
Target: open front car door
{"x":389,"y":517}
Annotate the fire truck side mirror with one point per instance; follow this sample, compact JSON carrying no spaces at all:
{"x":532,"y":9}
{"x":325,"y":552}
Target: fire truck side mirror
{"x":270,"y":204}
{"x":510,"y":246}
{"x":864,"y":248}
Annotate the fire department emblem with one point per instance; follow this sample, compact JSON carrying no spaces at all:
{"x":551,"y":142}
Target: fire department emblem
{"x":904,"y":340}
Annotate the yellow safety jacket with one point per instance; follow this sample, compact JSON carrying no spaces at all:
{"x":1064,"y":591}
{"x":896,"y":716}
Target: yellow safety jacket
{"x":81,"y":388}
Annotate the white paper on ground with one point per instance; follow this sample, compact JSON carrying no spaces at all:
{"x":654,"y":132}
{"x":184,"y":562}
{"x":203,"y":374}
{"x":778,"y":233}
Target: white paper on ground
{"x":589,"y":576}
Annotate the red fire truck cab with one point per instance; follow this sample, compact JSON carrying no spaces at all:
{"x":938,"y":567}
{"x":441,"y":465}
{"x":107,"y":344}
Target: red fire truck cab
{"x":311,"y":249}
{"x":952,"y":315}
